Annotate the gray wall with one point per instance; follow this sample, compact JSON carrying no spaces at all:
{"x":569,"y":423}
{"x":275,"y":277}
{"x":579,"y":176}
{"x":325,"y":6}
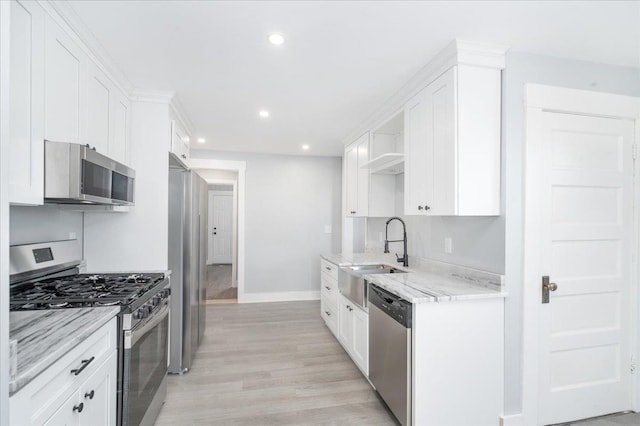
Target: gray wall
{"x":289,"y":200}
{"x":527,"y":68}
{"x":37,"y":224}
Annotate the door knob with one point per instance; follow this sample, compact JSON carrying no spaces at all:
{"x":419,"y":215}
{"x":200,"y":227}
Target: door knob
{"x":547,"y":286}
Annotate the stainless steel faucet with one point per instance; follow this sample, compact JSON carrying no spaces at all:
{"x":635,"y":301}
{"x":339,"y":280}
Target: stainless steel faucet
{"x":405,"y":257}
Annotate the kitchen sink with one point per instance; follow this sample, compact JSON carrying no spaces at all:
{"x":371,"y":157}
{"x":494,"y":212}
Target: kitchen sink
{"x":354,"y":287}
{"x":373,"y":269}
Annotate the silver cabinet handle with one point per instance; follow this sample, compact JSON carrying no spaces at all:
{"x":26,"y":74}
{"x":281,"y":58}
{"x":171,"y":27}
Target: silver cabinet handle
{"x":327,"y":287}
{"x":328,"y":313}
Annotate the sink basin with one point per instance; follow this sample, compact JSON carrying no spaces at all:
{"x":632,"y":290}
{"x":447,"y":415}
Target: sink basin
{"x":354,"y":287}
{"x":374,"y":269}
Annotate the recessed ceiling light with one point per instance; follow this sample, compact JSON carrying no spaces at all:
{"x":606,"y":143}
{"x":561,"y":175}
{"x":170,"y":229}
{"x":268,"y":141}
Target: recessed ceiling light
{"x":201,"y":140}
{"x":305,"y":147}
{"x":276,"y":39}
{"x":263,"y":113}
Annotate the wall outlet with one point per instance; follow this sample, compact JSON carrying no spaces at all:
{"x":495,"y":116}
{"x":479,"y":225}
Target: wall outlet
{"x":72,"y":235}
{"x":448,"y":245}
{"x":327,"y":229}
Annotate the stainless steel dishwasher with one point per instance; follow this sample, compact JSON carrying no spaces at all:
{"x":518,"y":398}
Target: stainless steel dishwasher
{"x":390,"y":350}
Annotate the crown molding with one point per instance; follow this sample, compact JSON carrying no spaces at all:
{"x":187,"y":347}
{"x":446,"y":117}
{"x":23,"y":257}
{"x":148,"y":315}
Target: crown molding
{"x":166,"y":97}
{"x":64,"y":14}
{"x":152,"y":96}
{"x":458,"y":52}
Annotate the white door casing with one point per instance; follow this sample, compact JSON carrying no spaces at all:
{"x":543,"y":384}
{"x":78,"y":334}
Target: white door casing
{"x":579,"y":230}
{"x":220,"y":227}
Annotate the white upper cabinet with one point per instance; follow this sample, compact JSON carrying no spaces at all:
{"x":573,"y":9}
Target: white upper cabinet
{"x":121,"y":128}
{"x":452,"y":145}
{"x":65,"y":86}
{"x":108,"y":112}
{"x":99,"y":95}
{"x":356,"y":177}
{"x":180,"y":142}
{"x":26,"y":132}
{"x":56,"y":93}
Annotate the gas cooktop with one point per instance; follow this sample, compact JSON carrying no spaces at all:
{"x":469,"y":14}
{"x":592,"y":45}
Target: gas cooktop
{"x":83,"y":290}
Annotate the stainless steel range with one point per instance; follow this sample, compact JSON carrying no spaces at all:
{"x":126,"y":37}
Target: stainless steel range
{"x":46,"y":276}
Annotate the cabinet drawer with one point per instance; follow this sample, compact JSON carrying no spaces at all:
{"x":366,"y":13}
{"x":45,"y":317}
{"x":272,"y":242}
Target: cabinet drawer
{"x":329,"y":289}
{"x":329,"y":313}
{"x":40,"y":399}
{"x":329,"y":268}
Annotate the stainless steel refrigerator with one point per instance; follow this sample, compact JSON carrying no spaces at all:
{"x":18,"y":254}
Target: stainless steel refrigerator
{"x":187,"y":261}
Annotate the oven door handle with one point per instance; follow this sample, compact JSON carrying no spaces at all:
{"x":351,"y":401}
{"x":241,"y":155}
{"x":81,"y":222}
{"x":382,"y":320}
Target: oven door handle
{"x":157,"y":317}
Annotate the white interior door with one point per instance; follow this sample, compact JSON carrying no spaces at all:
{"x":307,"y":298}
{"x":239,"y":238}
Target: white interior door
{"x":221,"y":227}
{"x":586,"y":215}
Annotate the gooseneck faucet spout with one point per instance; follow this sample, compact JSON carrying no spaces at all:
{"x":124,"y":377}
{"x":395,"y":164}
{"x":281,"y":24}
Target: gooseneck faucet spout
{"x":405,"y":257}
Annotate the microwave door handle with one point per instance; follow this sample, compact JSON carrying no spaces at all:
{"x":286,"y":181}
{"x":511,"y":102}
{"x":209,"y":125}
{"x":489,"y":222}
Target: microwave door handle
{"x":136,"y":334}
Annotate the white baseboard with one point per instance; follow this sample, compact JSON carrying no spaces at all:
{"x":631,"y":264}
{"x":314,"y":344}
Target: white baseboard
{"x":284,"y":296}
{"x":512,"y":420}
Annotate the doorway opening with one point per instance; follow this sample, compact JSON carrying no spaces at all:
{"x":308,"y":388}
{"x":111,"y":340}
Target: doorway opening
{"x":222,"y":236}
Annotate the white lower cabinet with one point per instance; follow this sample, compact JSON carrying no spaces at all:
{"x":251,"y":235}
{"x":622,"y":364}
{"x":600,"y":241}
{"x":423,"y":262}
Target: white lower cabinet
{"x":78,"y":389}
{"x":94,"y":404}
{"x":353,"y":326}
{"x":347,"y":322}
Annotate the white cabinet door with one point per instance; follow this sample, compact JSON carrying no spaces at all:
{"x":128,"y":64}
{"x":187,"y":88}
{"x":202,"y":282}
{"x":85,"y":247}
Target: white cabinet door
{"x":430,"y":177}
{"x":452,"y":145}
{"x":180,"y":142}
{"x":351,"y":179}
{"x":99,"y":393}
{"x":345,"y":322}
{"x":99,"y":99}
{"x":441,"y":135}
{"x":26,"y":132}
{"x":121,"y":120}
{"x":65,"y":86}
{"x":360,"y":345}
{"x":357,"y":178}
{"x":363,"y":176}
{"x":68,"y":414}
{"x":418,"y":187}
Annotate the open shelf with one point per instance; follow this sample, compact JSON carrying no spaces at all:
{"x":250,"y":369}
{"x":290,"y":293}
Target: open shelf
{"x":387,"y":164}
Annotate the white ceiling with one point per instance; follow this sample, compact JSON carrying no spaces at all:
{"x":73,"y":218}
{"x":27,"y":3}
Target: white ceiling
{"x":341,"y":61}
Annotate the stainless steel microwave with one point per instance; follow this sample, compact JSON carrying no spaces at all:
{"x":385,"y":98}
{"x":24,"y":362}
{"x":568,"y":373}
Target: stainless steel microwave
{"x":77,"y":174}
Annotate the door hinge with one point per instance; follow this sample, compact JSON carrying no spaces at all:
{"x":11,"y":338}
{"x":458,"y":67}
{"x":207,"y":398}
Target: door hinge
{"x":633,"y":365}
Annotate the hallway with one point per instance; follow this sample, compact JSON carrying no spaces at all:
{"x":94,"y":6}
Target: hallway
{"x":219,"y":285}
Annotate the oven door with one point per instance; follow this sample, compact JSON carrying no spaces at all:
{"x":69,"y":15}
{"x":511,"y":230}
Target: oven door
{"x":147,"y":364}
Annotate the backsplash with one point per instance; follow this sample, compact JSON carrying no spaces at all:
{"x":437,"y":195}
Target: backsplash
{"x":34,"y":224}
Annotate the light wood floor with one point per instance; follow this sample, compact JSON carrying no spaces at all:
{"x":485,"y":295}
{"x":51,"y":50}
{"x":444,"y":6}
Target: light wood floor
{"x":219,"y":284}
{"x":613,"y":420}
{"x":271,"y":364}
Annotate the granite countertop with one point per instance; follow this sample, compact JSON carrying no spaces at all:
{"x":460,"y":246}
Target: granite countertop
{"x":45,"y":336}
{"x":428,"y":281}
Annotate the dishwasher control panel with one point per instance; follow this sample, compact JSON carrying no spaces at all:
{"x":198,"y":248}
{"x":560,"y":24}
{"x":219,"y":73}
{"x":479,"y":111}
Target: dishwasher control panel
{"x":395,"y":307}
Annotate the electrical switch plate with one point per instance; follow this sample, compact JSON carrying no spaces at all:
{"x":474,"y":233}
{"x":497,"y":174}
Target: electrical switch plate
{"x":327,"y":229}
{"x":448,"y":245}
{"x":72,"y":235}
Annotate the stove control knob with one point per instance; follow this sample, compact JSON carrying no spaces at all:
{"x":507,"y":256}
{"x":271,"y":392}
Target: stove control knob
{"x":155,"y":301}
